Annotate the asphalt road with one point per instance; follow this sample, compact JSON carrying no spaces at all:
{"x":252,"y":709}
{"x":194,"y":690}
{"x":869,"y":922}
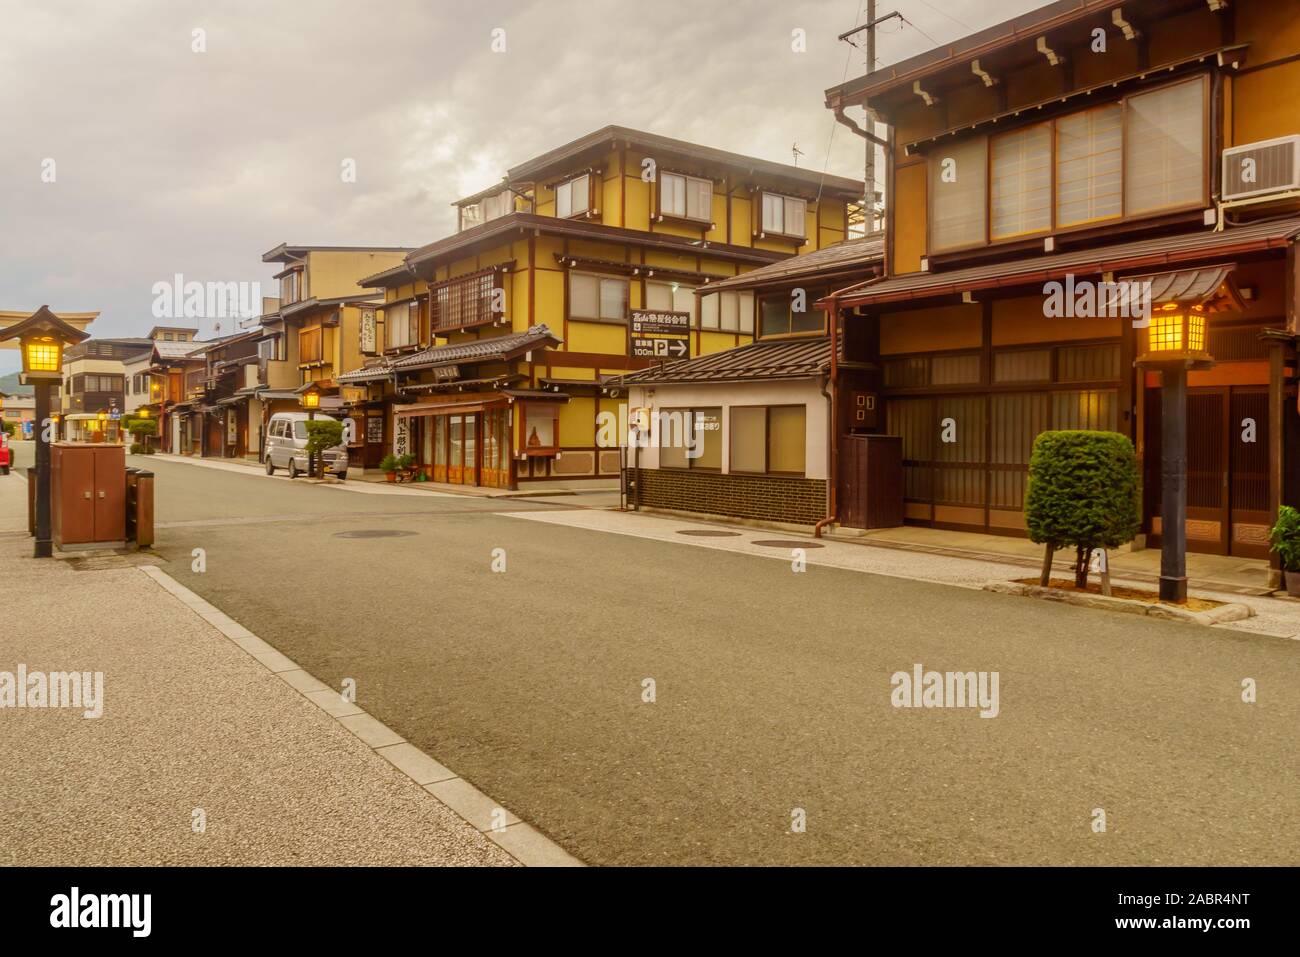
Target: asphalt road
{"x":772,"y":689}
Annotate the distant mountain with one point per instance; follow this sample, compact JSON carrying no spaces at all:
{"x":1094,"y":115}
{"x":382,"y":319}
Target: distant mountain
{"x":9,"y":385}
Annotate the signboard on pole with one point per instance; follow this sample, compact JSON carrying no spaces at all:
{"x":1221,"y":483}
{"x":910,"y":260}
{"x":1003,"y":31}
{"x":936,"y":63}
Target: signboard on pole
{"x":659,"y":335}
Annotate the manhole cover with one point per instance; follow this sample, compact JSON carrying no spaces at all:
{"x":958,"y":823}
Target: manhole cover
{"x":706,"y":532}
{"x":783,"y":543}
{"x":374,"y":533}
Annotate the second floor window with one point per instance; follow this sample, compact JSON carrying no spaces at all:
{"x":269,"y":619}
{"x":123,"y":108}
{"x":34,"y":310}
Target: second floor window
{"x":309,"y":345}
{"x":599,"y":298}
{"x":686,"y":197}
{"x":271,"y":348}
{"x":670,"y":297}
{"x":784,"y":215}
{"x":573,"y":197}
{"x":778,"y":318}
{"x":464,"y":302}
{"x":728,"y":312}
{"x":401,"y":326}
{"x":1141,"y":156}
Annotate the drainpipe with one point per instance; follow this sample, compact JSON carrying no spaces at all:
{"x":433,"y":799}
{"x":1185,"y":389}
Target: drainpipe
{"x":832,"y":438}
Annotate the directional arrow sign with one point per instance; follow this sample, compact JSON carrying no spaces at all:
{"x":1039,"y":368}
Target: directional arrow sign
{"x":659,"y":335}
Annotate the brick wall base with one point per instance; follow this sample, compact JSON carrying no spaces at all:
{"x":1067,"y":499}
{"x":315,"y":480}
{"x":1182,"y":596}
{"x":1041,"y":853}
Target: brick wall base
{"x":798,"y":501}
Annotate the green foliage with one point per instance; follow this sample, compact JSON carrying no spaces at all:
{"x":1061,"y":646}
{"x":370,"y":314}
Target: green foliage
{"x":1083,"y":491}
{"x":136,"y":449}
{"x":9,"y":427}
{"x":388,"y":463}
{"x":141,"y":427}
{"x":323,"y":434}
{"x":1285,"y":537}
{"x":406,"y":461}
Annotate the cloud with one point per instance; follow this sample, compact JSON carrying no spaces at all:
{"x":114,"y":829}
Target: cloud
{"x":173,"y":161}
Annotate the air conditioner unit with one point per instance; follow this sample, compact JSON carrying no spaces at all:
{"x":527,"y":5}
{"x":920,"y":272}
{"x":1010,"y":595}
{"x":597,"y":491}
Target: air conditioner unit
{"x":1257,"y":169}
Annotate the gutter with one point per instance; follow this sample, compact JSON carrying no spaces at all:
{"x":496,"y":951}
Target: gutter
{"x":832,"y":439}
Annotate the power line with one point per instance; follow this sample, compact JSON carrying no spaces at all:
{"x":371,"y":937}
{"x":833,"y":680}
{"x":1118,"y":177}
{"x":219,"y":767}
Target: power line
{"x":944,"y":13}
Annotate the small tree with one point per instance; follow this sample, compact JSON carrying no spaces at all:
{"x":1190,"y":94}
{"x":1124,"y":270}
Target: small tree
{"x":141,"y":429}
{"x":1083,"y":491}
{"x":322,"y":434}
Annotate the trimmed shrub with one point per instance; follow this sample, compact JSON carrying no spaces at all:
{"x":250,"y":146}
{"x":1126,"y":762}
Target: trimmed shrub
{"x":388,"y":463}
{"x":1284,"y":537}
{"x":1083,"y":491}
{"x":136,"y":449}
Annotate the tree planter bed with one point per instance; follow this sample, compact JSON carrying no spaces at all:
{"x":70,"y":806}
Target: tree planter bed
{"x":1200,"y":611}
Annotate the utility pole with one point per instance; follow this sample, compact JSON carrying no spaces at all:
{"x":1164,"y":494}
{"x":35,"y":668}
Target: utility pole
{"x":870,"y":124}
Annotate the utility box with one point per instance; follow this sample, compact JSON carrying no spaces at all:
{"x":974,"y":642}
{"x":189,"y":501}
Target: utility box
{"x":88,"y":486}
{"x":871,"y":481}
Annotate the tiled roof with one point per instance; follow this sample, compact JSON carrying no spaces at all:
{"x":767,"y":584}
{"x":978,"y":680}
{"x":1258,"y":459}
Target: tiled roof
{"x":1119,"y":258}
{"x":176,"y":350}
{"x":479,"y":350}
{"x":842,"y":257}
{"x":800,"y":358}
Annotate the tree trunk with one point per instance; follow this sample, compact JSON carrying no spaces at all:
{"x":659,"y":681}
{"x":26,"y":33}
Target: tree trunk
{"x":1046,"y":578}
{"x":1082,"y":558}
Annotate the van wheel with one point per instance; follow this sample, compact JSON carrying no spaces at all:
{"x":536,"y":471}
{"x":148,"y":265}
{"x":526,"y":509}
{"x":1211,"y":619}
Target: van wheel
{"x":270,"y":466}
{"x":293,"y":469}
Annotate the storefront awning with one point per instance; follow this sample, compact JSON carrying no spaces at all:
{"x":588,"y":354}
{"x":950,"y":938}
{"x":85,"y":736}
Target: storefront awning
{"x":446,"y":408}
{"x":1211,"y":285}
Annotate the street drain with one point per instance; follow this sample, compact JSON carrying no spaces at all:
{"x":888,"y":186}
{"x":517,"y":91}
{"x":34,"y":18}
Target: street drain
{"x":374,"y":533}
{"x":705,"y":532}
{"x":783,"y":543}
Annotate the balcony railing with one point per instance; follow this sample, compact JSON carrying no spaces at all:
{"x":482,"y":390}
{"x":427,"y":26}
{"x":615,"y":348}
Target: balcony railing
{"x":466,"y":301}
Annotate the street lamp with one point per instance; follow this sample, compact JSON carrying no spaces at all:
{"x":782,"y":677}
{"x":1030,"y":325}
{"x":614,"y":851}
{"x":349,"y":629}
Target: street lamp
{"x":41,"y":338}
{"x":309,"y":399}
{"x":1175,"y":343}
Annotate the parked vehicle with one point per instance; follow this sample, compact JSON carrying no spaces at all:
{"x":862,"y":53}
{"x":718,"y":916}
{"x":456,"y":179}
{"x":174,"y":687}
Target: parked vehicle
{"x":286,"y":447}
{"x":6,"y":454}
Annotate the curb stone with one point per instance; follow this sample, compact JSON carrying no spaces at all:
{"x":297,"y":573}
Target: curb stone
{"x":521,"y":841}
{"x":1132,"y":606}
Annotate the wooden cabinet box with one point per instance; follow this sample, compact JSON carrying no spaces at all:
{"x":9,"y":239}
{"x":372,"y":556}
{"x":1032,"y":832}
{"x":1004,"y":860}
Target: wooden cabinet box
{"x":870,"y":493}
{"x":88,"y":493}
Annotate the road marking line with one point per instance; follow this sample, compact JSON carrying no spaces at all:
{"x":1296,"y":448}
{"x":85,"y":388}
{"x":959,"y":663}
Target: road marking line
{"x":529,"y":847}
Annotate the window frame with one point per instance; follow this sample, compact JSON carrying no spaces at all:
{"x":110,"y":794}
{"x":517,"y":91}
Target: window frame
{"x":684,"y":216}
{"x":600,"y":278}
{"x":758,"y":333}
{"x":1124,"y":217}
{"x":767,"y":440}
{"x":572,"y":213}
{"x":781,"y":233}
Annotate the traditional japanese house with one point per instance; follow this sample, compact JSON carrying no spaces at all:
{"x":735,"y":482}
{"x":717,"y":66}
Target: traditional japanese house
{"x":1154,"y":143}
{"x":491,"y":350}
{"x":316,"y":330}
{"x":745,"y":433}
{"x":180,"y":369}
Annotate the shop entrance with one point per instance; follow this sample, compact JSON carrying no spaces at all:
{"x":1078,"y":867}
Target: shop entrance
{"x":1227,"y":469}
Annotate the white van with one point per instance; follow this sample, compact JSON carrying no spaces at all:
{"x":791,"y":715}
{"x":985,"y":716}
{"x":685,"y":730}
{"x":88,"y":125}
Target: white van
{"x":286,"y":446}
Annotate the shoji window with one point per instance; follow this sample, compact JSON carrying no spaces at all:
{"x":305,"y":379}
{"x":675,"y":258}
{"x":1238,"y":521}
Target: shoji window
{"x":1088,"y":166}
{"x":597,"y":297}
{"x":958,"y":186}
{"x":1020,"y":181}
{"x":1164,"y":148}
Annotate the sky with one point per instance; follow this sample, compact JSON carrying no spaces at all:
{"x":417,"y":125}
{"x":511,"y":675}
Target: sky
{"x":128,"y":155}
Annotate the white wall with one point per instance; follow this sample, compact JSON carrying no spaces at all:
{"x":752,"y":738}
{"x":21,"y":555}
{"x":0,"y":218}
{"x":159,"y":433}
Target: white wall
{"x":805,"y":392}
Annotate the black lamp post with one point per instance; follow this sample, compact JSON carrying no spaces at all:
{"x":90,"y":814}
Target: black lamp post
{"x":309,"y":398}
{"x":41,"y":337}
{"x":1175,"y":343}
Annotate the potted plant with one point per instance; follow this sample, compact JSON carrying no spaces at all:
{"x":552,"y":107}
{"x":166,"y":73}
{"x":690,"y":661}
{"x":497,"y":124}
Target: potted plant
{"x":388,"y":465}
{"x":405,"y":464}
{"x":1284,"y":538}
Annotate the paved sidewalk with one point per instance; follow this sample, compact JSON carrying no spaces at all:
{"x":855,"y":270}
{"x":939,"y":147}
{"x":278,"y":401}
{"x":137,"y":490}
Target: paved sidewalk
{"x":1279,"y":617}
{"x":191,"y":726}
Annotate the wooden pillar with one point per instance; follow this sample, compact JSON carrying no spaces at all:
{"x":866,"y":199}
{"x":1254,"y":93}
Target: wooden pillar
{"x":1173,"y":484}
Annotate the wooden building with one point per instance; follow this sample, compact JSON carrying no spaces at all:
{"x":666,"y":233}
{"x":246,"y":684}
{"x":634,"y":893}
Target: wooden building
{"x":1155,"y":143}
{"x":489,"y":357}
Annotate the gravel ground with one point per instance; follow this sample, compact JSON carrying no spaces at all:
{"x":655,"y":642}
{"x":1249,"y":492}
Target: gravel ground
{"x":189,"y":722}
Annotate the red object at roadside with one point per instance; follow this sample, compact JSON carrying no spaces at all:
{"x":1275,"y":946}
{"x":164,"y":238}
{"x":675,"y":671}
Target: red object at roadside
{"x":6,"y":454}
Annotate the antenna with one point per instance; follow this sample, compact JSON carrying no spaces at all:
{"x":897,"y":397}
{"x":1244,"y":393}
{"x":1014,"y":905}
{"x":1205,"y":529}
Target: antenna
{"x":795,"y":152}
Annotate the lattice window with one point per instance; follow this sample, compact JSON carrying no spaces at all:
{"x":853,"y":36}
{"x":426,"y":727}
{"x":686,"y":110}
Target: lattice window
{"x":465,"y":301}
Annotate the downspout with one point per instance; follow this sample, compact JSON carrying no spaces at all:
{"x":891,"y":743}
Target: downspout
{"x":832,"y":437}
